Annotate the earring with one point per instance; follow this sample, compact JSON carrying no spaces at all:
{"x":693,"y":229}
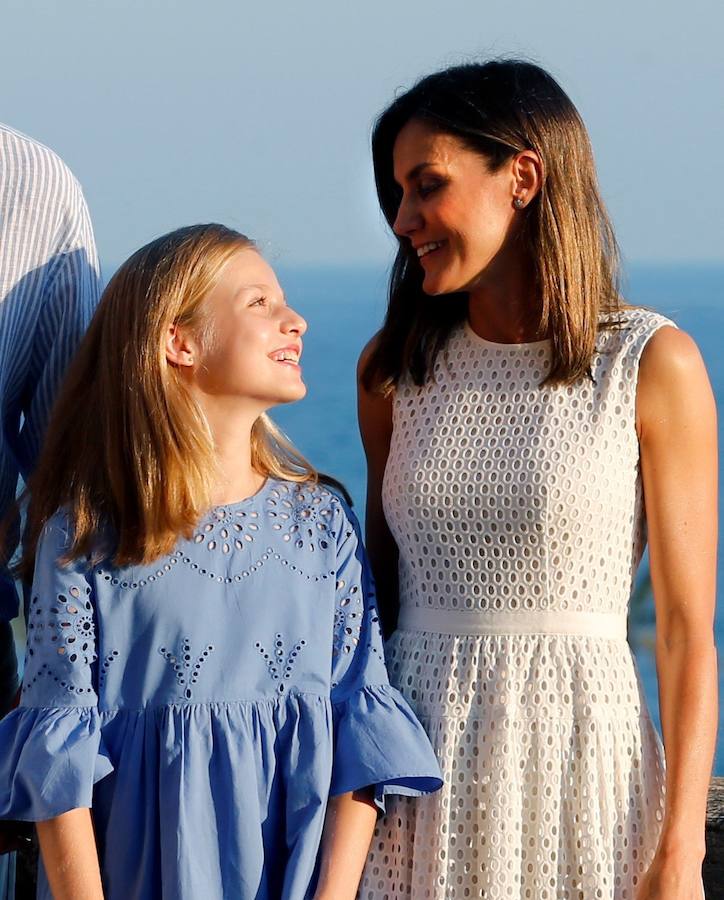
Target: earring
{"x":518,"y":202}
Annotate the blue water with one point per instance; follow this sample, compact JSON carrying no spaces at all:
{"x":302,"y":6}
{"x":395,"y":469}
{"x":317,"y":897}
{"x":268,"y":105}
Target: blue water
{"x":345,"y":306}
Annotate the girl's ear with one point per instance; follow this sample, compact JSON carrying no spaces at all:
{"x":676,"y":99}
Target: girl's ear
{"x":180,"y":348}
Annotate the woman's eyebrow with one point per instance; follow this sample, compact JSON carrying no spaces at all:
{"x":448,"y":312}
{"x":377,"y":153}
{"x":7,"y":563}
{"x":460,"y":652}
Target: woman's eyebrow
{"x":416,"y":170}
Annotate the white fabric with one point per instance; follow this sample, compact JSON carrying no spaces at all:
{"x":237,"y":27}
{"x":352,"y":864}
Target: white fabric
{"x":505,"y":621}
{"x":519,"y":501}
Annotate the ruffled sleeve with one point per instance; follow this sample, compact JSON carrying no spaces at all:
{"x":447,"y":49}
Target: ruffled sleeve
{"x":378,"y":740}
{"x":52,"y":749}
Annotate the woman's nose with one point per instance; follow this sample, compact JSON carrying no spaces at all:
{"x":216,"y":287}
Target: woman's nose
{"x":407,"y":220}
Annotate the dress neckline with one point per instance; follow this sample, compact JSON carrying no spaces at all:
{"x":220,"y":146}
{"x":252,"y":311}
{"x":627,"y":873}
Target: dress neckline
{"x":494,"y":345}
{"x":245,"y":501}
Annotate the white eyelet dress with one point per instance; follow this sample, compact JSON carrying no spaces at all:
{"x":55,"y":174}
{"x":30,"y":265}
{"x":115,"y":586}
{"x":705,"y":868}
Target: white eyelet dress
{"x":518,"y":513}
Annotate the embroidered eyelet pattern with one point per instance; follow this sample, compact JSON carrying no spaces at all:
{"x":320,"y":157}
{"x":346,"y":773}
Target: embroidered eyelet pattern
{"x":74,"y":631}
{"x":66,"y":626}
{"x":164,"y":569}
{"x":505,"y":494}
{"x":185,"y":668}
{"x":204,"y":572}
{"x":347,"y":619}
{"x":45,"y":671}
{"x":226,"y":529}
{"x":304,"y":516}
{"x":109,"y":659}
{"x":281,"y":665}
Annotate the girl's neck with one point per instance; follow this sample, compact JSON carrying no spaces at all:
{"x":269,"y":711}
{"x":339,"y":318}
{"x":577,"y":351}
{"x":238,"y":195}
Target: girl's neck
{"x":237,"y":478}
{"x":231,"y":487}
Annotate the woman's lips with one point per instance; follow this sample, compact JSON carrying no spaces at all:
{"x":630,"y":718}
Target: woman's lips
{"x":427,"y":248}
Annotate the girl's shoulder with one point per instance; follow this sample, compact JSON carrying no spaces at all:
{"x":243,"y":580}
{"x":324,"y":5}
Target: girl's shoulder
{"x":302,"y":495}
{"x":314,"y":513}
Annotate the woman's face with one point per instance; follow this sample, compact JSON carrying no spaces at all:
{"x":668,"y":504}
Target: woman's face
{"x":254,"y":339}
{"x":457,"y":215}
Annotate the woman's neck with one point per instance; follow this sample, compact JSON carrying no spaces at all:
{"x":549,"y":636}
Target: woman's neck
{"x":504,"y":306}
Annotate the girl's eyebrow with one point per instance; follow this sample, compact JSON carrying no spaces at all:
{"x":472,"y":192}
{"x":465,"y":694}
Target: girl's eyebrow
{"x":264,"y":288}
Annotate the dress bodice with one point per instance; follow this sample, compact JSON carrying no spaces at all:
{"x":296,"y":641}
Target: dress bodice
{"x":505,"y":493}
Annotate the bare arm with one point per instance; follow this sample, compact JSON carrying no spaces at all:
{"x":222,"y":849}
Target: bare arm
{"x":375,"y":422}
{"x":677,"y":432}
{"x":348,"y":830}
{"x":68,"y":847}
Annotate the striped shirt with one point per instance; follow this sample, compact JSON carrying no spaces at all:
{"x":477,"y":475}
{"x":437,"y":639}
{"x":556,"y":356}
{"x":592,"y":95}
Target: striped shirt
{"x":49,"y":285}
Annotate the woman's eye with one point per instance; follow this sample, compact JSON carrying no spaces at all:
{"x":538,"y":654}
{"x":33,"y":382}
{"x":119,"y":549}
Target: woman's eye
{"x":425,"y":188}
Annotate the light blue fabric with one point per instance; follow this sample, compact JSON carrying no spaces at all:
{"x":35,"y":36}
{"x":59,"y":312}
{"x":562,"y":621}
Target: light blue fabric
{"x":207,"y":705}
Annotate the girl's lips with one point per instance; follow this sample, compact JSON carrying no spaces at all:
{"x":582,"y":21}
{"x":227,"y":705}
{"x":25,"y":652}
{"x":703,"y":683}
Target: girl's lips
{"x":287,"y":356}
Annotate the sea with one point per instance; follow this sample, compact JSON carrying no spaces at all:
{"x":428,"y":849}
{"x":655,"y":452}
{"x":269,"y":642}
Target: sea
{"x":344,"y":307}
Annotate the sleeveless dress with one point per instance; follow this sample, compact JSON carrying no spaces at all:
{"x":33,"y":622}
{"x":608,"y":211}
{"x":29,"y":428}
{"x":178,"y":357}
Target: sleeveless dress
{"x":518,"y":512}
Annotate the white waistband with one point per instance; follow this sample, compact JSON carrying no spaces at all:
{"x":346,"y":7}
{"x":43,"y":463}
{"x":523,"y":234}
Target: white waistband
{"x":501,"y":621}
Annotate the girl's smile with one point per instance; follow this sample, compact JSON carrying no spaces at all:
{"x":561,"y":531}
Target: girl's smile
{"x":251,"y":345}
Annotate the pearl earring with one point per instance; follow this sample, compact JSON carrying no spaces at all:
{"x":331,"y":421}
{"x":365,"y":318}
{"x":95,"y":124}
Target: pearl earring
{"x":518,"y":202}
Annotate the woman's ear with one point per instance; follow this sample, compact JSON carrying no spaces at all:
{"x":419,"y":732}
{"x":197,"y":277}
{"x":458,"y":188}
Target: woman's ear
{"x":181,"y":350}
{"x":527,"y":176}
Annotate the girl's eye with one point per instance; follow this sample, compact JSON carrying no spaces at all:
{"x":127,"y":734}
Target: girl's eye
{"x":260,"y":301}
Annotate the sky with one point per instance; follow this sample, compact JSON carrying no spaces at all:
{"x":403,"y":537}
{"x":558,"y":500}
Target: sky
{"x":259,"y":114}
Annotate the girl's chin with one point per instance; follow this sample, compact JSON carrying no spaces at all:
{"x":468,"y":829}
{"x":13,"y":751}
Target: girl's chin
{"x":297,"y":393}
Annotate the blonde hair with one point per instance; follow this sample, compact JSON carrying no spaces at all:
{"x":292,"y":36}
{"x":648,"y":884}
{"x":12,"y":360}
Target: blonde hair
{"x":128,"y":448}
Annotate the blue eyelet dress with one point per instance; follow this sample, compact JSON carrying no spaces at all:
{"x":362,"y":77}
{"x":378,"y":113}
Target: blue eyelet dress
{"x":207,"y":705}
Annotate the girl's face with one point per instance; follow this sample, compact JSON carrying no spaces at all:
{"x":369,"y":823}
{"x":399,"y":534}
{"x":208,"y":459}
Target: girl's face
{"x":254,"y":340}
{"x":457,"y":215}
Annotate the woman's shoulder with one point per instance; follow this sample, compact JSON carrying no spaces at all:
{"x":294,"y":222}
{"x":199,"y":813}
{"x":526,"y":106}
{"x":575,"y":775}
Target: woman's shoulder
{"x":627,"y":331}
{"x":671,"y":363}
{"x":634,"y":320}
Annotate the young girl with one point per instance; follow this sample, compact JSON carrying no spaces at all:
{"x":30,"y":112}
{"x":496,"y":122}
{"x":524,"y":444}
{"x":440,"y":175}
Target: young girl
{"x":204,"y":667}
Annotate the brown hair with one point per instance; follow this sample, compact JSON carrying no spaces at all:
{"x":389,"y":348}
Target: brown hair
{"x":127,"y":448}
{"x":498,"y":109}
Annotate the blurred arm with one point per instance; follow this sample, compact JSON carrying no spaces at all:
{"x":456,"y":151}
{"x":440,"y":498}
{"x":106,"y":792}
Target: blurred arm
{"x":676,"y":420}
{"x":68,"y":846}
{"x":348,"y":830}
{"x":375,"y":422}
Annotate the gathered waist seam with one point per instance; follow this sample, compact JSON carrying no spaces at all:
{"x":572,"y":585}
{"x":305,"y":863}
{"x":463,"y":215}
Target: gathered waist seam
{"x":611,"y":626}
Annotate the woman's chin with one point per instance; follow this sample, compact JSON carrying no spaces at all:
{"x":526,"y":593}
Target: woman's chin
{"x":434,"y":285}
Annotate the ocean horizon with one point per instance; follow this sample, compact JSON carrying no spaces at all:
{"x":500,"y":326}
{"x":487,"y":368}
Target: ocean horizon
{"x":345,"y":305}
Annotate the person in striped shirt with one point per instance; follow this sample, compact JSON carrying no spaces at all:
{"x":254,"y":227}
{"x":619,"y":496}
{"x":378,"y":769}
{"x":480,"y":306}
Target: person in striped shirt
{"x":49,"y":288}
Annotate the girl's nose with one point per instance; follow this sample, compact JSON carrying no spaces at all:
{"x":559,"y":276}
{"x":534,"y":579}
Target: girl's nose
{"x":293,"y":323}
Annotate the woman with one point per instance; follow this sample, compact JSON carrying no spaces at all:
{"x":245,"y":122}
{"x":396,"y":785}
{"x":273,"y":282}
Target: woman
{"x":515,"y":413}
{"x":204,"y":666}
